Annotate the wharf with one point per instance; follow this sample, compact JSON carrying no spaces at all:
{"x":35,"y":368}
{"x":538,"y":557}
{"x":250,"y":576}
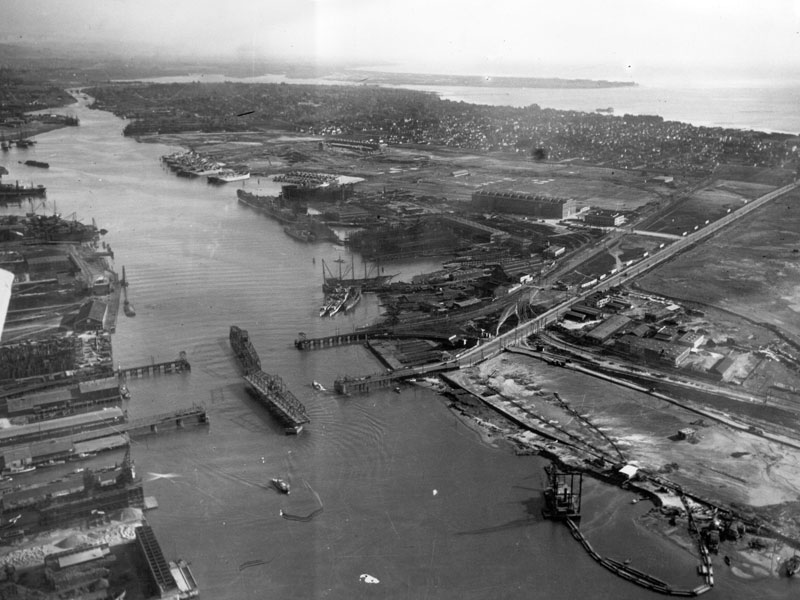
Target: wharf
{"x":271,"y":391}
{"x":179,"y":365}
{"x":331,"y":341}
{"x":176,"y":419}
{"x":110,"y":323}
{"x":348,"y":385}
{"x":364,"y":335}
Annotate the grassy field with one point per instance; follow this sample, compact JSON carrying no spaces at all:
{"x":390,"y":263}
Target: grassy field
{"x":751,"y":269}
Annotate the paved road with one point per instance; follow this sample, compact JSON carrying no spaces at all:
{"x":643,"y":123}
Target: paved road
{"x":522,"y":331}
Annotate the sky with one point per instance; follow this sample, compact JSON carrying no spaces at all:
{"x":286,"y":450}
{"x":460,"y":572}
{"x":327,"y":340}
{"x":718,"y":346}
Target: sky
{"x":613,"y":39}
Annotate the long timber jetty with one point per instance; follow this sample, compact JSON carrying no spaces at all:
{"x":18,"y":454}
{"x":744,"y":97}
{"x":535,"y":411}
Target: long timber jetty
{"x":179,"y":365}
{"x":359,"y":385}
{"x":268,"y":389}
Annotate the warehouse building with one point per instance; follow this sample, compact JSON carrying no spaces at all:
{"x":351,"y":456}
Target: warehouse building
{"x":607,"y":328}
{"x":536,"y":205}
{"x":604,"y":218}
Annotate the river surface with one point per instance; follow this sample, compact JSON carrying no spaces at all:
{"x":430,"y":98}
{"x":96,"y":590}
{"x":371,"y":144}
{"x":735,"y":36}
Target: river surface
{"x":414,"y":504}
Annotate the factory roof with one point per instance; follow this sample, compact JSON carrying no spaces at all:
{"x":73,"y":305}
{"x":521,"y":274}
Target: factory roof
{"x":97,"y":416}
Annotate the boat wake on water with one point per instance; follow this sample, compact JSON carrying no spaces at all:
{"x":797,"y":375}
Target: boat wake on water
{"x":310,"y":516}
{"x":251,"y":563}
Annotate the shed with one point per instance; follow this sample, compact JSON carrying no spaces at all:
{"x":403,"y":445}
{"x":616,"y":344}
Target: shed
{"x":575,"y":316}
{"x":91,"y":316}
{"x":724,"y":367}
{"x":607,"y":328}
{"x":692,"y":339}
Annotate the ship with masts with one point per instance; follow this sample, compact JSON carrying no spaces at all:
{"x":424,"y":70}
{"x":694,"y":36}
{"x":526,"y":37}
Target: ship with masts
{"x":369,"y":283}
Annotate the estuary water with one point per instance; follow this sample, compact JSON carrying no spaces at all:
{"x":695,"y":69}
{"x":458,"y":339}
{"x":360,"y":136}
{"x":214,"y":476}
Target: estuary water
{"x":413,"y":503}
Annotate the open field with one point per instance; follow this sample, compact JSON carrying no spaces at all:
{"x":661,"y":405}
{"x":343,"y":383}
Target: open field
{"x":424,"y":170}
{"x":706,"y":204}
{"x":751,"y":269}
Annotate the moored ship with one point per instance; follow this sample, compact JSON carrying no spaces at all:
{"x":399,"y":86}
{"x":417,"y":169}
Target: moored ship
{"x":228,"y":176}
{"x":15,"y":190}
{"x":353,"y":298}
{"x":302,"y":235}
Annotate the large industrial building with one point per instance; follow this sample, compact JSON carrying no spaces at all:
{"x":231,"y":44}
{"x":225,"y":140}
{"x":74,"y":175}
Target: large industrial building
{"x":535,"y":205}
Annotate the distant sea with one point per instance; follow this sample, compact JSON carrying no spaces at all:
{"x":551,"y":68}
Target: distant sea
{"x":746,"y":104}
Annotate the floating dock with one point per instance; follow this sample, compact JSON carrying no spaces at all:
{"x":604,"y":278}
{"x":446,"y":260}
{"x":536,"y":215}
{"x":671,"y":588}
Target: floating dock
{"x":268,"y":389}
{"x":273,"y":393}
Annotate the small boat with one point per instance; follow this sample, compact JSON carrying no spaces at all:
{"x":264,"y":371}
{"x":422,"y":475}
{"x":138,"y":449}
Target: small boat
{"x":22,"y":469}
{"x":281,"y":485}
{"x":792,"y":565}
{"x":127,"y":307}
{"x":228,"y":176}
{"x":727,"y":560}
{"x":317,"y":386}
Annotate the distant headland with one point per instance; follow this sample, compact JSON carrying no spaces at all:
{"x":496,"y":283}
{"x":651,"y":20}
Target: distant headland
{"x":385,"y":77}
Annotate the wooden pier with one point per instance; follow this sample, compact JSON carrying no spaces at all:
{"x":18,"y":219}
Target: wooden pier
{"x":330,"y":341}
{"x":172,"y":420}
{"x":179,"y":365}
{"x":360,"y":385}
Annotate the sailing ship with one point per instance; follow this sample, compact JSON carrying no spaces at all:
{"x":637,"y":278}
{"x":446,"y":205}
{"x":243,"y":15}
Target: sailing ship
{"x":369,"y":283}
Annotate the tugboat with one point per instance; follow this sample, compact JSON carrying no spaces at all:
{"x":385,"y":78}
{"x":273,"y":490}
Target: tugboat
{"x":281,"y":485}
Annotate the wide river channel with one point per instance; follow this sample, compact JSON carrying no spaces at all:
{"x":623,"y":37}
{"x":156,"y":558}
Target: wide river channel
{"x":414,"y":504}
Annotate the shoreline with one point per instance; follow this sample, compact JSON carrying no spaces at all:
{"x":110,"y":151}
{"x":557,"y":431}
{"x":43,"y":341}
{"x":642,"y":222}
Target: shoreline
{"x":447,"y":91}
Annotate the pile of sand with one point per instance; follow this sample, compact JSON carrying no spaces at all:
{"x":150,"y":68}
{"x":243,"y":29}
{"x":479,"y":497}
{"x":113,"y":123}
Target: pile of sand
{"x":74,"y":540}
